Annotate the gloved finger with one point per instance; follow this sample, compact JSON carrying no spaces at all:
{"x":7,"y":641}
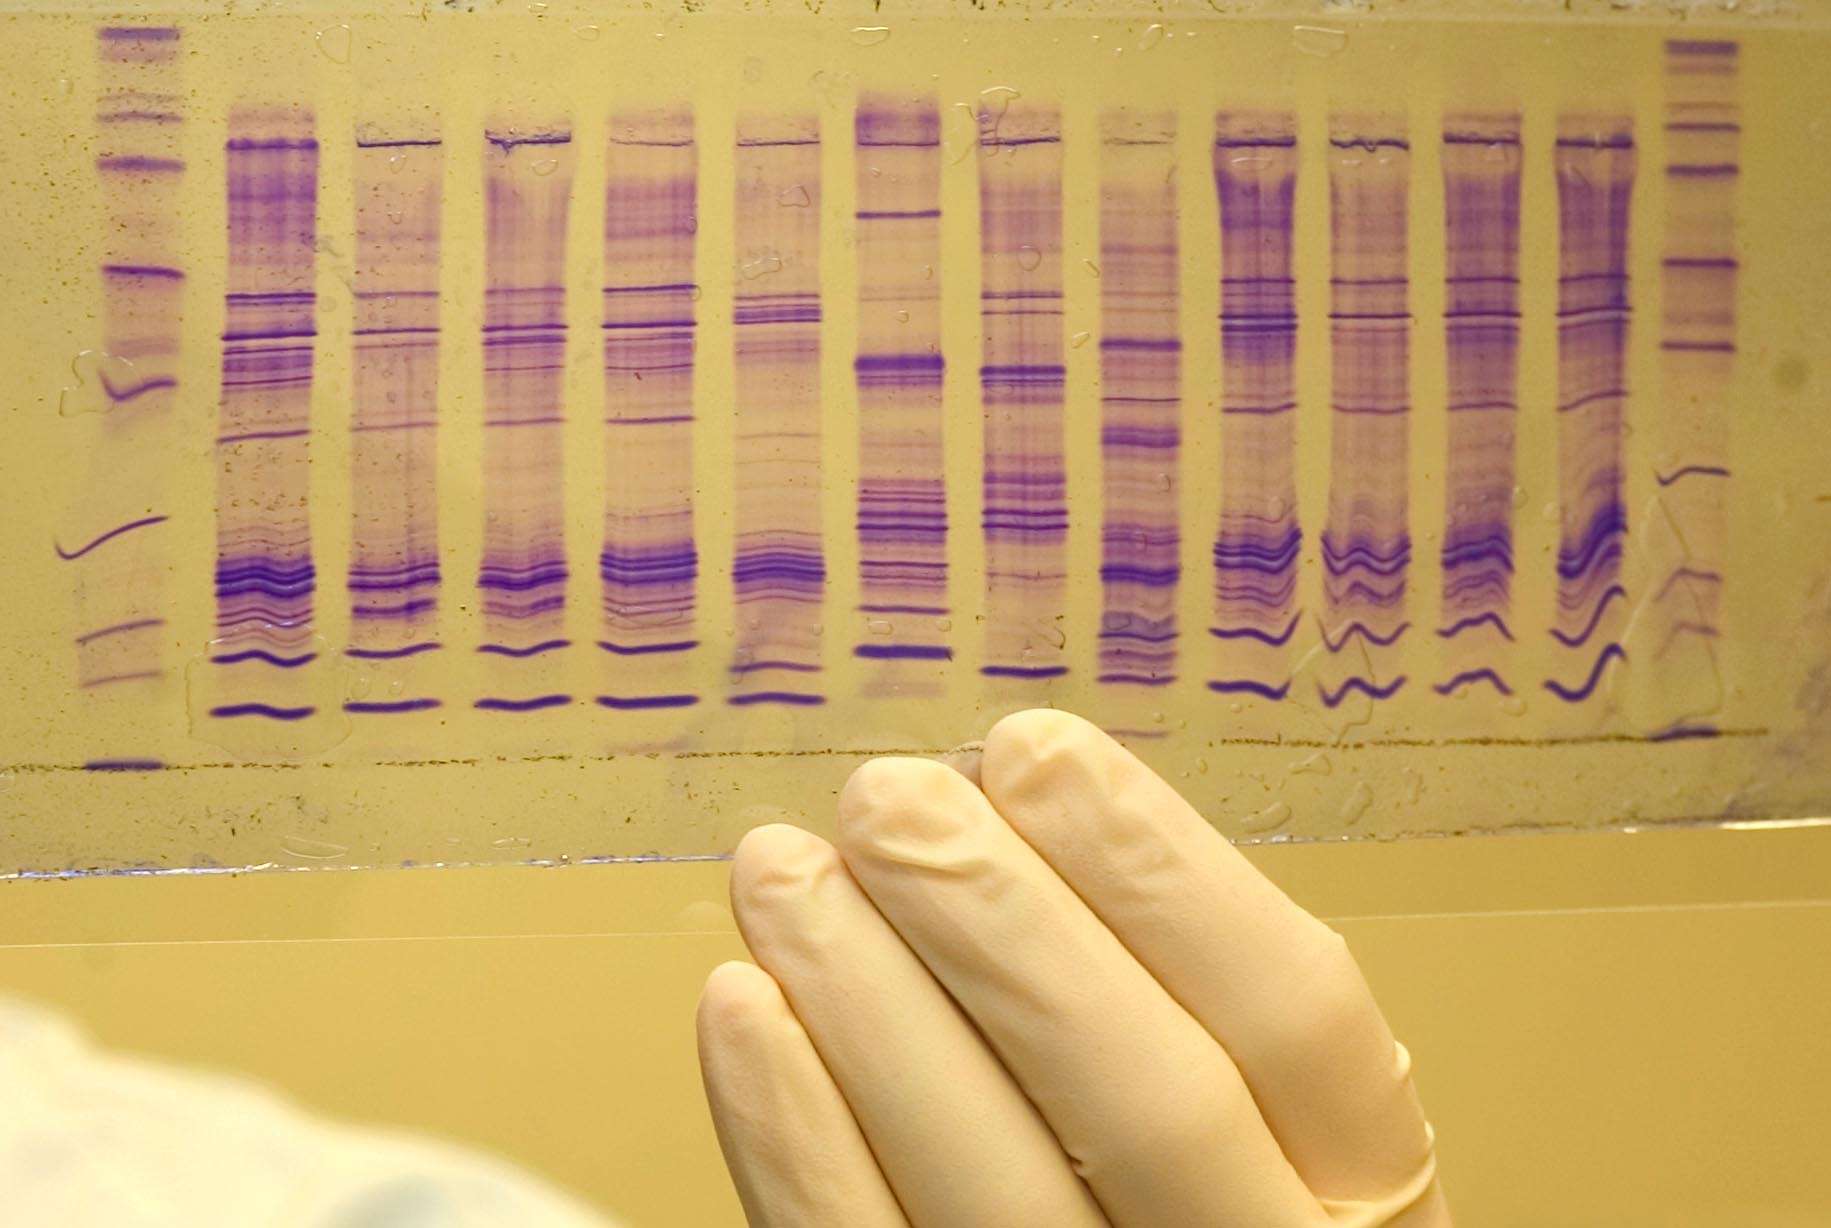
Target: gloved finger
{"x":794,"y":1151}
{"x":1276,"y":987}
{"x":1148,"y":1107}
{"x":955,"y":1138}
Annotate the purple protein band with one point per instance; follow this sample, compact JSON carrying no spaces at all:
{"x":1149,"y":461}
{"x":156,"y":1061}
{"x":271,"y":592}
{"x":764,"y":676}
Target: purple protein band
{"x":537,"y":703}
{"x":899,"y":372}
{"x":394,"y":576}
{"x":1595,"y":164}
{"x":779,"y":567}
{"x":389,"y":707}
{"x":523,"y":577}
{"x":1258,"y":547}
{"x":1699,"y":272}
{"x":265,"y":579}
{"x":1366,"y":542}
{"x":119,"y":566}
{"x":1481,"y":187}
{"x":648,"y":565}
{"x":645,"y":703}
{"x":1024,"y":495}
{"x":1141,"y":398}
{"x":124,"y":765}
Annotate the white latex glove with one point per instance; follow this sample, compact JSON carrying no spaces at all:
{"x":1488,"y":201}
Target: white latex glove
{"x":1065,"y":1000}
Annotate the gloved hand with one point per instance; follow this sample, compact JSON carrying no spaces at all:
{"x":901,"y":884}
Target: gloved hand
{"x":1065,"y":1000}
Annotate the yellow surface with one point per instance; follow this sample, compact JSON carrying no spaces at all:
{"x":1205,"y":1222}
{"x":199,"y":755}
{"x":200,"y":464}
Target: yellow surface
{"x":1609,"y":1030}
{"x":461,"y":786}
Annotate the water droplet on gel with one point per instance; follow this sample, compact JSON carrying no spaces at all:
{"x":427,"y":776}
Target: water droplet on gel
{"x":545,"y":166}
{"x":794,"y":197}
{"x":588,"y":34}
{"x":1153,"y":34}
{"x":870,"y":36}
{"x":1164,"y":483}
{"x":335,"y":43}
{"x":1317,"y":764}
{"x":880,"y":626}
{"x":1092,"y":267}
{"x":1521,"y":497}
{"x":902,"y":316}
{"x":1080,"y":339}
{"x":998,"y":99}
{"x":1513,"y":705}
{"x":760,"y":266}
{"x":702,"y":915}
{"x":312,"y":850}
{"x":944,"y":624}
{"x":1055,"y":635}
{"x":1272,"y":817}
{"x":1319,"y":40}
{"x":1029,"y":258}
{"x":95,"y":372}
{"x":1359,"y":799}
{"x":1414,"y":784}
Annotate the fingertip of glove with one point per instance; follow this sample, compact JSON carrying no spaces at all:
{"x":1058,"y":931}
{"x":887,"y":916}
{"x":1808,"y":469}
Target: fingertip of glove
{"x":736,"y":999}
{"x":1037,"y":742}
{"x":781,"y":885}
{"x":773,"y":855}
{"x":896,"y":794}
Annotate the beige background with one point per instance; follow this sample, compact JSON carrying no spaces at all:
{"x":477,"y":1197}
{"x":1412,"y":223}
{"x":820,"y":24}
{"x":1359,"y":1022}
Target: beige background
{"x":1610,"y":1029}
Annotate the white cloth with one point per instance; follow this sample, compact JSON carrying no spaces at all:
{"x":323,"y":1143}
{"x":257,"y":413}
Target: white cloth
{"x":89,"y":1138}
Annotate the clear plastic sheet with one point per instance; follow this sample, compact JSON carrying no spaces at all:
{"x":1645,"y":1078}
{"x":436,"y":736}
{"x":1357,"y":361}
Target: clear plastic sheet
{"x":568,"y":432}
